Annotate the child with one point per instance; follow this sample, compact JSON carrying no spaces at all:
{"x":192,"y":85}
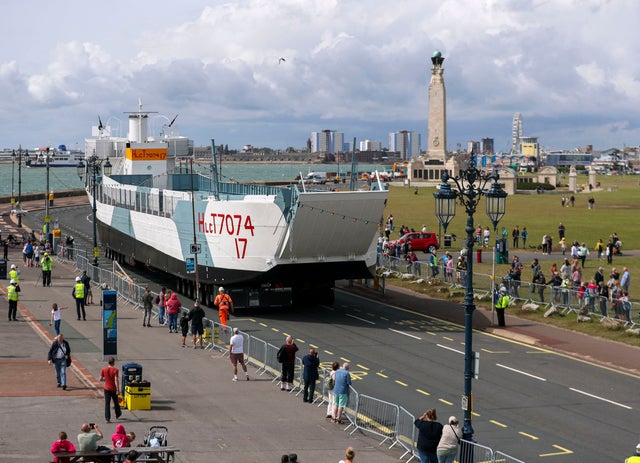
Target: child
{"x":62,"y":445}
{"x":184,"y":327}
{"x":55,"y":317}
{"x":121,"y":438}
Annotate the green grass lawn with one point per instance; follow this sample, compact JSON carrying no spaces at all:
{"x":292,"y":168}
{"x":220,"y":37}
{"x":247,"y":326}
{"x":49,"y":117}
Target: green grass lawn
{"x":617,"y":204}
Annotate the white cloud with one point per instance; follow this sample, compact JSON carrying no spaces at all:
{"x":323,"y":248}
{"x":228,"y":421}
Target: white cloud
{"x":357,"y":66}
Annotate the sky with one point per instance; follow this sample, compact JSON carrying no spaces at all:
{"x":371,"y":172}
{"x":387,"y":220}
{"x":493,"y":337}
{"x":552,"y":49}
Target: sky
{"x":361,"y":67}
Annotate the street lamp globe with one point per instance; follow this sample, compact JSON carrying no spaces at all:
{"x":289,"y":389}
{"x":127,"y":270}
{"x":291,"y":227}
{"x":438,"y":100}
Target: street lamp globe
{"x":446,"y":199}
{"x":496,"y":203}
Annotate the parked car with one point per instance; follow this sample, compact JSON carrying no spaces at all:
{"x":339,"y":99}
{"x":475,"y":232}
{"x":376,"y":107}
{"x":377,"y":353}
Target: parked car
{"x":418,"y":241}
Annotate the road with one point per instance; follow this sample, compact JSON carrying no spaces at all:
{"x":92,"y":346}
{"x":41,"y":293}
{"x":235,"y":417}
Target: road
{"x":531,"y":403}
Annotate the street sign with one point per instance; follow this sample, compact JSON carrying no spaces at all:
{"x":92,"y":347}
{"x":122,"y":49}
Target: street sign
{"x":195,"y":248}
{"x":47,"y":218}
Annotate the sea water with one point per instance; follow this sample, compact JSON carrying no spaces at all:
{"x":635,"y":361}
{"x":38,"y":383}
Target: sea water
{"x":34,"y":179}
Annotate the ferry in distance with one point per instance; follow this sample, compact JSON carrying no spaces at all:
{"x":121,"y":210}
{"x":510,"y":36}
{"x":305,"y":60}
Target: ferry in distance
{"x":60,"y":157}
{"x":267,"y":245}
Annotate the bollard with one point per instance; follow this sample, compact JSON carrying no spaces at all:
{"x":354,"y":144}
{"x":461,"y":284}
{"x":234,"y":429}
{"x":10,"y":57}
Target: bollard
{"x":479,"y":256}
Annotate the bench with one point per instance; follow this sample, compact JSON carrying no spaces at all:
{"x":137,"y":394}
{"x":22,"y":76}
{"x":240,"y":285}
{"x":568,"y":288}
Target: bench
{"x":147,"y":454}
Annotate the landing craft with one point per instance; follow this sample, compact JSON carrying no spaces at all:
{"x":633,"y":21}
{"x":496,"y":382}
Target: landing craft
{"x":268,"y":246}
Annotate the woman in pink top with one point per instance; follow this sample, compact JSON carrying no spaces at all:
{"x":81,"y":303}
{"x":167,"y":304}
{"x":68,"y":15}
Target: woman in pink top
{"x":173,"y":309}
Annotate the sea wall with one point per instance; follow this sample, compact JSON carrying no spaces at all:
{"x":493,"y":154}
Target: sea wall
{"x":5,"y":199}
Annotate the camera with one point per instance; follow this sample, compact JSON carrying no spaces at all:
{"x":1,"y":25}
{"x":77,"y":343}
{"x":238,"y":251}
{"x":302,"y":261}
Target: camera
{"x":92,"y":425}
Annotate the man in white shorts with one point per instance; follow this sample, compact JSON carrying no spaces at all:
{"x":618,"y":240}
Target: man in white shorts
{"x":236,"y":354}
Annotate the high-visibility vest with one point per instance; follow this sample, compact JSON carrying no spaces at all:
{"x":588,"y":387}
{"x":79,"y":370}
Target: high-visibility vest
{"x":503,"y":302}
{"x":79,"y":290}
{"x":46,"y":263}
{"x":222,"y":301}
{"x":13,"y":275}
{"x":12,"y":294}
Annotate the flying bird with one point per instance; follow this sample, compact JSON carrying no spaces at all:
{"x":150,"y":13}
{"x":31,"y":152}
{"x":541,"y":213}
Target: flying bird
{"x":281,"y":60}
{"x":100,"y":126}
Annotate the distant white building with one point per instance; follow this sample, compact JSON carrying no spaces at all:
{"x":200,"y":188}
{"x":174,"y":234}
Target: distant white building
{"x":406,"y":143}
{"x":327,"y":141}
{"x":368,"y":145}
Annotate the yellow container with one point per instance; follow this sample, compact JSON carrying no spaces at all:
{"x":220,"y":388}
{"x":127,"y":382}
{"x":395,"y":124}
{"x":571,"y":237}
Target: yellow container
{"x":137,"y":398}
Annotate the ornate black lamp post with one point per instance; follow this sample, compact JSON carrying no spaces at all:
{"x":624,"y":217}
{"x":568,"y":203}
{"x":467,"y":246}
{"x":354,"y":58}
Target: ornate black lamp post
{"x":13,"y":167}
{"x":92,"y":171}
{"x":470,"y":186}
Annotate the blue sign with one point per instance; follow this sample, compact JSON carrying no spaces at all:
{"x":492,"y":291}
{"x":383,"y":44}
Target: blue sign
{"x":109,"y":323}
{"x":191,"y":264}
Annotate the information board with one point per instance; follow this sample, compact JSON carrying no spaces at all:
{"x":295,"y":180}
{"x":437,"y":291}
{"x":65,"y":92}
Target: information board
{"x":109,"y":323}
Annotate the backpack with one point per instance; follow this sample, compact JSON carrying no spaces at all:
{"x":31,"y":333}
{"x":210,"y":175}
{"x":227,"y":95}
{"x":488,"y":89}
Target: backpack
{"x":280,"y":354}
{"x":156,"y":300}
{"x":330,"y":383}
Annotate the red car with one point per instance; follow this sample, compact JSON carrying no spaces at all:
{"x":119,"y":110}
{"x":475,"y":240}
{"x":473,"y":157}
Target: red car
{"x":426,"y":242}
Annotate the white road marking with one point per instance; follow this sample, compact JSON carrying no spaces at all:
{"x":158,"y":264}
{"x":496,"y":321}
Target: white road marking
{"x":361,"y":319}
{"x":521,"y":372}
{"x":406,"y":334}
{"x":451,"y":349}
{"x":601,"y":398}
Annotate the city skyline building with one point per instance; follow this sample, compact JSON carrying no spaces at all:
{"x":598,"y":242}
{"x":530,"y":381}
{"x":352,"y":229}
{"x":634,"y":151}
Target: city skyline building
{"x":516,"y":132}
{"x":406,"y":143}
{"x":327,"y":141}
{"x":370,"y":145}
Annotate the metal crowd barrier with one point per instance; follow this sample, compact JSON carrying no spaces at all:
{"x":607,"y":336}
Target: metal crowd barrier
{"x":522,"y":292}
{"x":386,"y":420}
{"x":472,"y":452}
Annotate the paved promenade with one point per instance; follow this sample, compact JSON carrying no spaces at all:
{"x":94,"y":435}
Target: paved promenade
{"x":209,"y":417}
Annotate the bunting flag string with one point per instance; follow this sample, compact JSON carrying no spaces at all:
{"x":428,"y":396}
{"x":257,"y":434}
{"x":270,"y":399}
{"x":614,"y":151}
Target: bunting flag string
{"x":334,"y":213}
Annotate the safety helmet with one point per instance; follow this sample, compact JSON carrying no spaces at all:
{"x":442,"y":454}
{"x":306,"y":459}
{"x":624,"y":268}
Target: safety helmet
{"x":13,"y":266}
{"x":12,"y":282}
{"x":77,"y":278}
{"x":221,"y":289}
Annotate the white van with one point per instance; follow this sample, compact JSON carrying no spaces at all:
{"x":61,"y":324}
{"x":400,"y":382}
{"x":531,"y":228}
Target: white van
{"x":319,"y":178}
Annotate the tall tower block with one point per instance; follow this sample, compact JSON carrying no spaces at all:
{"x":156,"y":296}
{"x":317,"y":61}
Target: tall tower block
{"x":437,"y":126}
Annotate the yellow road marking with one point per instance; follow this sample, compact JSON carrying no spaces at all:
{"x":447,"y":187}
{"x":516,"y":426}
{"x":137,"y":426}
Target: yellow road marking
{"x":497,"y":423}
{"x":344,"y":359}
{"x":563,"y":452}
{"x":381,"y":374}
{"x":422,"y":392}
{"x":528,"y":435}
{"x":362,"y":366}
{"x":263,"y":324}
{"x":401,"y":383}
{"x":328,"y":352}
{"x":445,"y":402}
{"x":275,"y":329}
{"x":313,"y":345}
{"x":448,"y":339}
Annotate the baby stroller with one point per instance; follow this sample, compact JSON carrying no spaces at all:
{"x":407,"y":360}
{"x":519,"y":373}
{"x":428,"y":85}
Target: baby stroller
{"x":156,"y":437}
